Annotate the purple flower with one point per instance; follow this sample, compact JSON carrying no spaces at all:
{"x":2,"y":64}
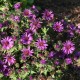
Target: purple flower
{"x":17,"y":5}
{"x":68,"y":47}
{"x":6,"y":23}
{"x":56,"y":62}
{"x":41,"y":44}
{"x":4,"y":68}
{"x":7,"y":43}
{"x":1,"y":66}
{"x":51,"y":54}
{"x":1,"y":25}
{"x":48,"y":15}
{"x":72,"y":27}
{"x":43,"y":61}
{"x":9,"y":59}
{"x":29,"y":31}
{"x":68,"y":61}
{"x":6,"y":71}
{"x":58,"y":26}
{"x":27,"y":12}
{"x":70,"y":33}
{"x":27,"y":52}
{"x":16,"y":18}
{"x":26,"y":38}
{"x":30,"y":77}
{"x":35,"y":24}
{"x":33,"y":8}
{"x":77,"y":55}
{"x":78,"y":31}
{"x":19,"y":79}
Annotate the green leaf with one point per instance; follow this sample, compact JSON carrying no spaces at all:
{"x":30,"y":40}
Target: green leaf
{"x":32,"y":72}
{"x":24,"y":2}
{"x":13,"y":76}
{"x":45,"y":30}
{"x":12,"y":50}
{"x":30,"y":1}
{"x":24,"y":75}
{"x":1,"y":75}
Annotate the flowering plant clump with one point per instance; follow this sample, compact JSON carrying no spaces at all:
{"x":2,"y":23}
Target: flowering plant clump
{"x":36,"y":45}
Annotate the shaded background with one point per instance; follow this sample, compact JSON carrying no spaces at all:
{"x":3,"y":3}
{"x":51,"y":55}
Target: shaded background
{"x":62,"y":8}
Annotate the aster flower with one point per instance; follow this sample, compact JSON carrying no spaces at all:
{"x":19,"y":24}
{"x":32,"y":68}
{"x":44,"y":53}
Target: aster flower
{"x":77,"y":55}
{"x":43,"y":61}
{"x":35,"y":24}
{"x":70,"y":33}
{"x":16,"y":18}
{"x":6,"y":23}
{"x":41,"y":44}
{"x":6,"y":71}
{"x":72,"y":27}
{"x":56,"y":62}
{"x":48,"y":15}
{"x":27,"y":12}
{"x":17,"y":5}
{"x":1,"y":66}
{"x":27,"y":52}
{"x":58,"y":26}
{"x":68,"y":47}
{"x":51,"y":54}
{"x":7,"y":43}
{"x":78,"y":31}
{"x":68,"y":61}
{"x":29,"y":31}
{"x":33,"y":8}
{"x":26,"y":38}
{"x":9,"y":59}
{"x":30,"y":77}
{"x":4,"y":68}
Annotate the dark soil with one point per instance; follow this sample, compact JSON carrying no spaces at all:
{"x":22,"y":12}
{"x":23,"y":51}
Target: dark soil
{"x":62,"y":8}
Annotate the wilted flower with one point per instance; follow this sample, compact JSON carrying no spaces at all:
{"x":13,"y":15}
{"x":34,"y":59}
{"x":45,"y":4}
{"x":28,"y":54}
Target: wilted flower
{"x":68,"y":47}
{"x":48,"y":15}
{"x":41,"y":44}
{"x":17,"y":5}
{"x":26,"y":38}
{"x":58,"y":26}
{"x":7,"y":43}
{"x":9,"y":59}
